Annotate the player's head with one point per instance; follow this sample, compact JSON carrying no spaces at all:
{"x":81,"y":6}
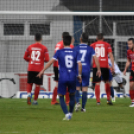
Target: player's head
{"x":84,"y":38}
{"x":130,"y":43}
{"x":67,"y":40}
{"x":100,"y":36}
{"x":38,"y":37}
{"x":65,"y":34}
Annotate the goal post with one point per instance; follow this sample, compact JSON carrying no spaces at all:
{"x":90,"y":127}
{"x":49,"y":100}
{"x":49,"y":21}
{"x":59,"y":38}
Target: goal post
{"x":18,"y":29}
{"x":69,"y":13}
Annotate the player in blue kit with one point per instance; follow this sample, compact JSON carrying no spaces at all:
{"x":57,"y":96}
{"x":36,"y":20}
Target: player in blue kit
{"x":86,"y":53}
{"x":68,"y":60}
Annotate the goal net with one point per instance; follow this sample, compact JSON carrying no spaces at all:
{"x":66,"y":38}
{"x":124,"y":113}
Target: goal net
{"x":17,"y":31}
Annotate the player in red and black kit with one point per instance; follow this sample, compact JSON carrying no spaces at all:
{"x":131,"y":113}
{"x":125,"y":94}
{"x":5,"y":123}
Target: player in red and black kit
{"x":36,"y":54}
{"x":59,"y":46}
{"x":130,"y":60}
{"x":102,"y":50}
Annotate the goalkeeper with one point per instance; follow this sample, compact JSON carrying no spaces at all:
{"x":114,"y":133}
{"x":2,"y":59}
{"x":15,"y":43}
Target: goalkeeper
{"x":117,"y":76}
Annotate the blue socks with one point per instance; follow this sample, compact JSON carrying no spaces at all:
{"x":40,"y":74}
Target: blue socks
{"x":63,"y":104}
{"x":84,"y":99}
{"x":77,"y":96}
{"x":112,"y":92}
{"x":72,"y":103}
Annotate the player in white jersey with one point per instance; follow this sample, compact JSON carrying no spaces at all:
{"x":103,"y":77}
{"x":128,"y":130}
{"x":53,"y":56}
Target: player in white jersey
{"x":117,"y":76}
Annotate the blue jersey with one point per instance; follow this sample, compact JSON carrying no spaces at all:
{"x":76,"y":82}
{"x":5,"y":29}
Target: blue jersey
{"x":86,"y":52}
{"x":67,"y":59}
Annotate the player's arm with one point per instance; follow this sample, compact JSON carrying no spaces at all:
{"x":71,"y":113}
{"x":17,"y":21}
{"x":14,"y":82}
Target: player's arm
{"x":112,"y":59}
{"x":55,"y":58}
{"x":46,"y":67}
{"x":97,"y":65}
{"x":26,"y":55}
{"x":127,"y":65}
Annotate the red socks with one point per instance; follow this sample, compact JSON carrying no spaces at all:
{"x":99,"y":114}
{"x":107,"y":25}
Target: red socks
{"x":67,"y":97}
{"x":97,"y":92}
{"x":131,"y":92}
{"x":36,"y":92}
{"x":29,"y":87}
{"x":54,"y":97}
{"x":108,"y":91}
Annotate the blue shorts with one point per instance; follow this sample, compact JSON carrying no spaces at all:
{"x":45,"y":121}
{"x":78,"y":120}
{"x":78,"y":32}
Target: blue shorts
{"x":110,"y":76}
{"x":62,"y":86}
{"x":85,"y":80}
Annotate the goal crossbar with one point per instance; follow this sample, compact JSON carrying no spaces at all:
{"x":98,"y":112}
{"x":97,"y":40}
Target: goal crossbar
{"x":69,"y":13}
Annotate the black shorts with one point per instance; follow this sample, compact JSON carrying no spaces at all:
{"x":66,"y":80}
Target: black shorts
{"x":131,"y":76}
{"x":56,"y":73}
{"x":104,"y":75}
{"x":32,"y":78}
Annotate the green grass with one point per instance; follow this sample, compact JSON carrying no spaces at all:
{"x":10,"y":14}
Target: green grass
{"x":17,"y":117}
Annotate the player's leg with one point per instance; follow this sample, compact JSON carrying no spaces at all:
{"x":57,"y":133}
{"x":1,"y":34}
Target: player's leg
{"x":85,"y":84}
{"x":131,"y":91}
{"x":112,"y":91}
{"x":105,"y":77}
{"x":77,"y":99}
{"x":84,"y":98}
{"x":54,"y":96}
{"x":71,"y":103}
{"x":67,"y":97}
{"x":38,"y":81}
{"x":29,"y":87}
{"x":111,"y":87}
{"x":122,"y":89}
{"x":77,"y":95}
{"x":97,"y":81}
{"x":72,"y":90}
{"x":61,"y":92}
{"x":36,"y":94}
{"x":119,"y":80}
{"x":97,"y":93}
{"x":108,"y":92}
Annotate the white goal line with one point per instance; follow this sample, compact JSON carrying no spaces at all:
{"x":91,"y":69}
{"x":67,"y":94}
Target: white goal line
{"x":70,"y":13}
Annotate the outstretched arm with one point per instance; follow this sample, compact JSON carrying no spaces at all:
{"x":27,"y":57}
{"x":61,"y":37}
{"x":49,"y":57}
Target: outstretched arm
{"x":46,"y":67}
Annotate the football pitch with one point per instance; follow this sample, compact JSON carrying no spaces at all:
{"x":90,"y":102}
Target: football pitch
{"x":16,"y":117}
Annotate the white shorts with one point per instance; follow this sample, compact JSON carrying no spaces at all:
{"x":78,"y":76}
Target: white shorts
{"x":118,"y":78}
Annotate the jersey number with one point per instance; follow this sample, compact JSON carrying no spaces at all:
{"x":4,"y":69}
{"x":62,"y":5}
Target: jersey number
{"x":83,"y":52}
{"x":35,"y":55}
{"x":68,"y":61}
{"x":100,"y":51}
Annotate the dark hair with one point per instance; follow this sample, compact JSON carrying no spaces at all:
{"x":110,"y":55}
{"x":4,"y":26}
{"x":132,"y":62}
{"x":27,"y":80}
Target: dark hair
{"x":65,"y":34}
{"x":131,"y":39}
{"x":67,"y":40}
{"x":84,"y":37}
{"x":38,"y":37}
{"x":100,"y":36}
